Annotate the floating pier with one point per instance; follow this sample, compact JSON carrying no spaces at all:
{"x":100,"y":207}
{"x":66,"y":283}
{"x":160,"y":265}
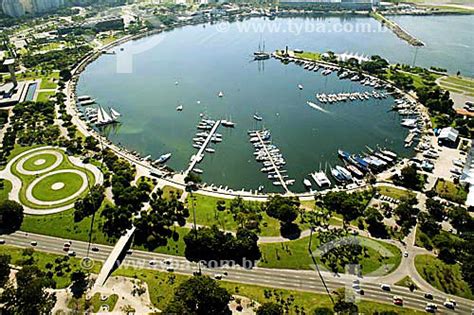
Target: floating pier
{"x":275,"y":167}
{"x":199,"y":155}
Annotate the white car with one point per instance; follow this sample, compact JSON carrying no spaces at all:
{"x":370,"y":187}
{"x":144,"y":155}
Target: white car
{"x":385,"y":287}
{"x":2,"y":241}
{"x":152,"y":262}
{"x":71,"y":253}
{"x":169,"y":269}
{"x":218,"y":276}
{"x":449,"y":304}
{"x":34,"y":243}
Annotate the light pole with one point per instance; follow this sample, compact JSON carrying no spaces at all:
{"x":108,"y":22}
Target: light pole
{"x":190,"y":187}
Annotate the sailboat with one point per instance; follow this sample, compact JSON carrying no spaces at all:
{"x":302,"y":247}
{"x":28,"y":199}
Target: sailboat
{"x":103,"y":118}
{"x":257,"y":117}
{"x":261,"y":54}
{"x":115,"y":114}
{"x":221,"y":94}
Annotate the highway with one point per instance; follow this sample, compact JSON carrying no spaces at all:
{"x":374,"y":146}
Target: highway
{"x":277,"y":278}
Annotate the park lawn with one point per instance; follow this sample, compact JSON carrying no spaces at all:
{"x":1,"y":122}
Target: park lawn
{"x":168,"y":191}
{"x":294,"y":255}
{"x":395,"y":193}
{"x":34,"y":75}
{"x":49,"y":160}
{"x":450,"y":191}
{"x":44,"y":96}
{"x":309,"y":55}
{"x":208,"y":215}
{"x":62,"y":225}
{"x":26,"y":181}
{"x":81,"y":305}
{"x":43,"y":191}
{"x":5,"y":189}
{"x":16,"y":151}
{"x":162,"y":285}
{"x":41,"y":259}
{"x":48,"y":83}
{"x":445,"y":277}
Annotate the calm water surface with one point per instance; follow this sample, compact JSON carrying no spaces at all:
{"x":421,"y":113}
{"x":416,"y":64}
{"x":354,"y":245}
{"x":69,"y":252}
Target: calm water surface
{"x":204,"y":61}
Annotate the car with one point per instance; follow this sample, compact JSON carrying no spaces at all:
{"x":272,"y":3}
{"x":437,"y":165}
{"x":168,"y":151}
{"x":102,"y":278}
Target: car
{"x":449,"y":304}
{"x":152,"y":262}
{"x":218,"y":276}
{"x":71,"y":253}
{"x":359,"y":291}
{"x":405,"y":254}
{"x":129,"y":252}
{"x":355,"y":285}
{"x":167,"y":261}
{"x":95,"y":249}
{"x":385,"y":287}
{"x":2,"y":241}
{"x":169,"y":269}
{"x":67,"y":244}
{"x":197,"y":273}
{"x":428,"y":296}
{"x":397,"y":300}
{"x":34,"y":243}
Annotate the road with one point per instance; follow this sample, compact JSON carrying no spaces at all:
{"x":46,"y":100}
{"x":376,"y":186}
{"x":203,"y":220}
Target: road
{"x":277,"y":278}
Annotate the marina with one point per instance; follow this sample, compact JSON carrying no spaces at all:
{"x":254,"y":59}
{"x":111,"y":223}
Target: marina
{"x":309,"y":132}
{"x":202,"y":145}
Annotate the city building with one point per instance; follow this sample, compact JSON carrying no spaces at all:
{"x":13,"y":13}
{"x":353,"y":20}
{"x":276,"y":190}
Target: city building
{"x":18,"y":8}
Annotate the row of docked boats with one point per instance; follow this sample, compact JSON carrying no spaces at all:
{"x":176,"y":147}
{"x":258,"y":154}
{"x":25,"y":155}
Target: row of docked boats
{"x":344,"y":97}
{"x":270,"y":156}
{"x":203,"y":137}
{"x":85,"y":100}
{"x":372,"y":161}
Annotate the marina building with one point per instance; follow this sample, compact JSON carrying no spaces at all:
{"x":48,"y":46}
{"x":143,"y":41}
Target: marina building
{"x":448,"y":137}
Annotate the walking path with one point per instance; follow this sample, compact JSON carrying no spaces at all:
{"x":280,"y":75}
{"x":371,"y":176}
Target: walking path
{"x":17,"y":183}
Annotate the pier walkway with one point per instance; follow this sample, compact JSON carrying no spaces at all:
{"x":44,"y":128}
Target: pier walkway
{"x":270,"y":158}
{"x":198,"y":156}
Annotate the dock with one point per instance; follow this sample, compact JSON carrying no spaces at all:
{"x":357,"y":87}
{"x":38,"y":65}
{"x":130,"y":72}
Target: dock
{"x":198,"y":156}
{"x":275,"y":168}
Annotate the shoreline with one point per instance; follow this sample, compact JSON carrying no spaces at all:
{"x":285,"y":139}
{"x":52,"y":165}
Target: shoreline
{"x":177,"y":180}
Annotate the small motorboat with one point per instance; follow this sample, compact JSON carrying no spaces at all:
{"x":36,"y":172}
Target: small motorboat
{"x":163,"y":158}
{"x":179,"y":108}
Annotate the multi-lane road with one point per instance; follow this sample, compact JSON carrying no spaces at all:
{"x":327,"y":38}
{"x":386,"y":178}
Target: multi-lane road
{"x":277,"y":278}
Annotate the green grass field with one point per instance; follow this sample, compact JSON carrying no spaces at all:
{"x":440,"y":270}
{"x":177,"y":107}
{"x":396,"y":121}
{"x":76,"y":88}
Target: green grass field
{"x":162,"y":286}
{"x":393,"y":192}
{"x":442,"y":276}
{"x":44,"y":96}
{"x":207,"y":214}
{"x":451,"y":191}
{"x":30,"y":165}
{"x":44,"y":190}
{"x":294,"y":255}
{"x":457,"y":84}
{"x":42,"y":259}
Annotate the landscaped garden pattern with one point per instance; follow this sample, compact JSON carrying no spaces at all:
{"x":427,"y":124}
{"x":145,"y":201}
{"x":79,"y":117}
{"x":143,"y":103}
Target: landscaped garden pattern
{"x":49,"y":179}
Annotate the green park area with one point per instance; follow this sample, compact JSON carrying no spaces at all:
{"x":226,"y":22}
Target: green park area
{"x":95,"y":303}
{"x":5,"y":188}
{"x":45,"y":96}
{"x":53,"y":185}
{"x":443,"y":276}
{"x":57,"y":267}
{"x":461,"y":85}
{"x":450,"y":191}
{"x":395,"y":193}
{"x":375,"y":257}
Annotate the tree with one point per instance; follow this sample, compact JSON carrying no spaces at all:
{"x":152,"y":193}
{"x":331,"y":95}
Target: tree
{"x":79,"y":283}
{"x":409,"y":178}
{"x":4,"y":269}
{"x":89,"y":204}
{"x":155,"y":227}
{"x":407,"y":212}
{"x":375,"y":221}
{"x":342,"y":305}
{"x":117,"y":220}
{"x":428,"y":224}
{"x":29,"y":296}
{"x":282,"y":208}
{"x":199,"y":295}
{"x":270,"y":308}
{"x":435,"y":209}
{"x":461,"y":219}
{"x":211,"y":244}
{"x":11,"y":215}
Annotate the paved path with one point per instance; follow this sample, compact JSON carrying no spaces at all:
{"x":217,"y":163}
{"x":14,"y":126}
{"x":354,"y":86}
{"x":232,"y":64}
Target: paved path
{"x":17,"y":183}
